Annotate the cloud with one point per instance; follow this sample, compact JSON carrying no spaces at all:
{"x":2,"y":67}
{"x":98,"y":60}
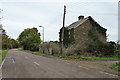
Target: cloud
{"x":21,"y":15}
{"x":59,"y":0}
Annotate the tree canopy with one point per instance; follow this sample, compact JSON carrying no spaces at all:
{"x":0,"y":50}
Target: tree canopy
{"x":6,"y":41}
{"x":30,"y":39}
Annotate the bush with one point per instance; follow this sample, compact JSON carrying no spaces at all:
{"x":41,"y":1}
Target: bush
{"x":116,"y":66}
{"x":30,"y":39}
{"x":55,"y":48}
{"x":88,"y":48}
{"x":77,"y":49}
{"x":45,"y":48}
{"x":104,"y":49}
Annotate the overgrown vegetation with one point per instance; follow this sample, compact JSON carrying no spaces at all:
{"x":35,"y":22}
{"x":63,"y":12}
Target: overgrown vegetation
{"x":116,"y":66}
{"x":30,"y":39}
{"x":48,"y":47}
{"x":97,"y":42}
{"x":93,"y":44}
{"x":68,"y":37}
{"x":89,"y":48}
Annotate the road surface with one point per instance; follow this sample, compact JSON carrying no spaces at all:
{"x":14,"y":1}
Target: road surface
{"x":19,"y":64}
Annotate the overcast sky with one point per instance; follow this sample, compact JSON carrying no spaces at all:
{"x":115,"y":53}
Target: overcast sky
{"x":19,"y":15}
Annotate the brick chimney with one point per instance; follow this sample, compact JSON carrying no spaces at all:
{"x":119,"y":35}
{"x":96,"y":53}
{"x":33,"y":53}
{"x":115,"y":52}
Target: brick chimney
{"x":81,"y":17}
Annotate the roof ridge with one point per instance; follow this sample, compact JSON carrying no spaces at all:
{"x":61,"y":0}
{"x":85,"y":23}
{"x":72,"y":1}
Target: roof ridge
{"x":77,"y":23}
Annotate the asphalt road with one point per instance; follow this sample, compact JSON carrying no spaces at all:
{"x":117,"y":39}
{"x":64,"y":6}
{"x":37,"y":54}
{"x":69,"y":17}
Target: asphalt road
{"x":18,"y":64}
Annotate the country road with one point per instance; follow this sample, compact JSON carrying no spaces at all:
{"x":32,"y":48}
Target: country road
{"x":18,"y":64}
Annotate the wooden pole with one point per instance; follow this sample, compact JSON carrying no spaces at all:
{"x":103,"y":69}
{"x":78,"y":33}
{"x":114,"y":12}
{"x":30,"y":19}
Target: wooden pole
{"x":62,"y":36}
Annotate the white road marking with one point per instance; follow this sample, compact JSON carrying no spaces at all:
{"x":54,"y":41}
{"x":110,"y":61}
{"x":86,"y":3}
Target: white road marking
{"x":108,"y":73}
{"x":36,"y":63}
{"x":13,"y":60}
{"x":83,"y":67}
{"x":2,"y":63}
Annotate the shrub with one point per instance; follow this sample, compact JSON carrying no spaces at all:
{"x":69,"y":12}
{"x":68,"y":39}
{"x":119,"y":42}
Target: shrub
{"x":77,"y":49}
{"x":88,"y":48}
{"x":116,"y":66}
{"x":45,"y":48}
{"x":30,"y":39}
{"x":104,"y":49}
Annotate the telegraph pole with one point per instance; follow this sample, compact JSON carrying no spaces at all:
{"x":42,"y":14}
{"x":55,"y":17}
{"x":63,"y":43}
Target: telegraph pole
{"x":62,"y":36}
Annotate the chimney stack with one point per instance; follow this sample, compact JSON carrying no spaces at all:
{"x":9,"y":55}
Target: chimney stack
{"x":81,"y":17}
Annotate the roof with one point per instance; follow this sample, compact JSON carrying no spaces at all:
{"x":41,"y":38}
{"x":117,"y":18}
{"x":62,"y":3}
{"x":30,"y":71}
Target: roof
{"x":77,"y":23}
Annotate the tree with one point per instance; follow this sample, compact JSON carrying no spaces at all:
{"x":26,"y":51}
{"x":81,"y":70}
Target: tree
{"x":3,"y":37}
{"x":6,"y":41}
{"x":30,"y":39}
{"x":15,"y":43}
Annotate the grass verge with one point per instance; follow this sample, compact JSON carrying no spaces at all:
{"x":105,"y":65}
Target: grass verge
{"x":35,"y":53}
{"x":73,"y":57}
{"x":4,"y":52}
{"x":116,"y":66}
{"x":2,"y":56}
{"x":87,"y":58}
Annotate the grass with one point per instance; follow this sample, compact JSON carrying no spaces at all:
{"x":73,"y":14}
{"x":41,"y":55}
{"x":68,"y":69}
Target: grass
{"x":2,"y":56}
{"x":4,"y":52}
{"x":74,"y":57}
{"x":87,"y":58}
{"x":116,"y":66}
{"x":35,"y":53}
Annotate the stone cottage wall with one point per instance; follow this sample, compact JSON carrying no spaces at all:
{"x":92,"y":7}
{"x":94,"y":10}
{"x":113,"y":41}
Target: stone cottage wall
{"x":81,"y":32}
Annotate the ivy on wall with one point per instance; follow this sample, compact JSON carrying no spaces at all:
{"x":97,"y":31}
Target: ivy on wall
{"x":96,"y":28}
{"x":68,"y":36}
{"x":98,"y":45}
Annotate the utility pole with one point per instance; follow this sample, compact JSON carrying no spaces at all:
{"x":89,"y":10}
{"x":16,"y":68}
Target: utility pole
{"x":62,"y":36}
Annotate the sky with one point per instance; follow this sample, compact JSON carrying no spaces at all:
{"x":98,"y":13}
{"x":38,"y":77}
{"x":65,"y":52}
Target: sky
{"x":20,"y":14}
